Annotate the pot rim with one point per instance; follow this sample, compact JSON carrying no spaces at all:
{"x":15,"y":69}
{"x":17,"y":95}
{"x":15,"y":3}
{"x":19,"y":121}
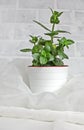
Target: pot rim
{"x":47,"y":66}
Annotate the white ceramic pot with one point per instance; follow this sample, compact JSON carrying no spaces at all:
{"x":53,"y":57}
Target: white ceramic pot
{"x":47,"y":78}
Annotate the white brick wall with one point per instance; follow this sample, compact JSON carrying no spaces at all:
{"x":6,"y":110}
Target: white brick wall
{"x":16,"y":23}
{"x":37,"y":4}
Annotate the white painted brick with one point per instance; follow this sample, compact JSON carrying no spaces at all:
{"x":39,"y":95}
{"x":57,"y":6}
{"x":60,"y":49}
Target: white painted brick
{"x":65,"y":18}
{"x":24,"y":16}
{"x":6,"y":31}
{"x":77,"y":37}
{"x":12,"y":48}
{"x":77,"y":30}
{"x":22,"y":31}
{"x":70,"y":4}
{"x":76,"y":65}
{"x":39,"y":31}
{"x":70,"y":51}
{"x":0,"y":16}
{"x":8,"y":3}
{"x":36,"y":3}
{"x":81,"y":30}
{"x":22,"y":45}
{"x":64,"y":28}
{"x":7,"y":48}
{"x":44,"y":15}
{"x":80,"y":48}
{"x":79,"y":18}
{"x":74,"y":29}
{"x":8,"y":15}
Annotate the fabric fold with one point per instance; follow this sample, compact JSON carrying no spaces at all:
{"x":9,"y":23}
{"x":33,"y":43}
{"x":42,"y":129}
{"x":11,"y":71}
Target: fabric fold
{"x":43,"y":115}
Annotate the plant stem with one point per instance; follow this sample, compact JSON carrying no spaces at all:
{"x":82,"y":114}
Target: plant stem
{"x":53,"y":26}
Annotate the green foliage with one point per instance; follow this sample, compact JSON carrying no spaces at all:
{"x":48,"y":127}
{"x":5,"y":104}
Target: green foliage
{"x":46,"y":52}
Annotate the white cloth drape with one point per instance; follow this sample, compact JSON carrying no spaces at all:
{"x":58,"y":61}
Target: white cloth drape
{"x":65,"y":107}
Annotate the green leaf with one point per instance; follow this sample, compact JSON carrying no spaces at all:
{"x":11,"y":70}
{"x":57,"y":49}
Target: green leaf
{"x":34,"y":39}
{"x":51,"y":10}
{"x":51,"y":57}
{"x":56,"y":32}
{"x":41,"y":41}
{"x":55,"y":13}
{"x":61,"y":31}
{"x":42,"y":25}
{"x":59,"y":14}
{"x":35,"y":56}
{"x":58,"y":62}
{"x":65,"y":42}
{"x":43,"y":60}
{"x":47,"y":47}
{"x":36,"y":48}
{"x":54,"y":49}
{"x":54,"y":19}
{"x":26,"y":50}
{"x":50,"y":34}
{"x":35,"y":63}
{"x":43,"y":53}
{"x":62,"y":55}
{"x":69,"y":41}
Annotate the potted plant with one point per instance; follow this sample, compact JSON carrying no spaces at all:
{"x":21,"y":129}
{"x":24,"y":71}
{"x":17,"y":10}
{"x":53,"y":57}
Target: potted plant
{"x":48,"y":72}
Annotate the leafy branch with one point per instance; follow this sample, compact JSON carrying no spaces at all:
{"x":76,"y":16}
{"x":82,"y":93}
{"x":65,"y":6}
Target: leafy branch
{"x":47,"y":52}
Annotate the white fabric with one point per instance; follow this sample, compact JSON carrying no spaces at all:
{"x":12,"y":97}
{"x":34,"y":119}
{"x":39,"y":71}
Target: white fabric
{"x":61,"y":120}
{"x":13,"y":91}
{"x":59,"y":107}
{"x":42,"y":115}
{"x":68,"y":98}
{"x":7,"y":123}
{"x":10,"y":80}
